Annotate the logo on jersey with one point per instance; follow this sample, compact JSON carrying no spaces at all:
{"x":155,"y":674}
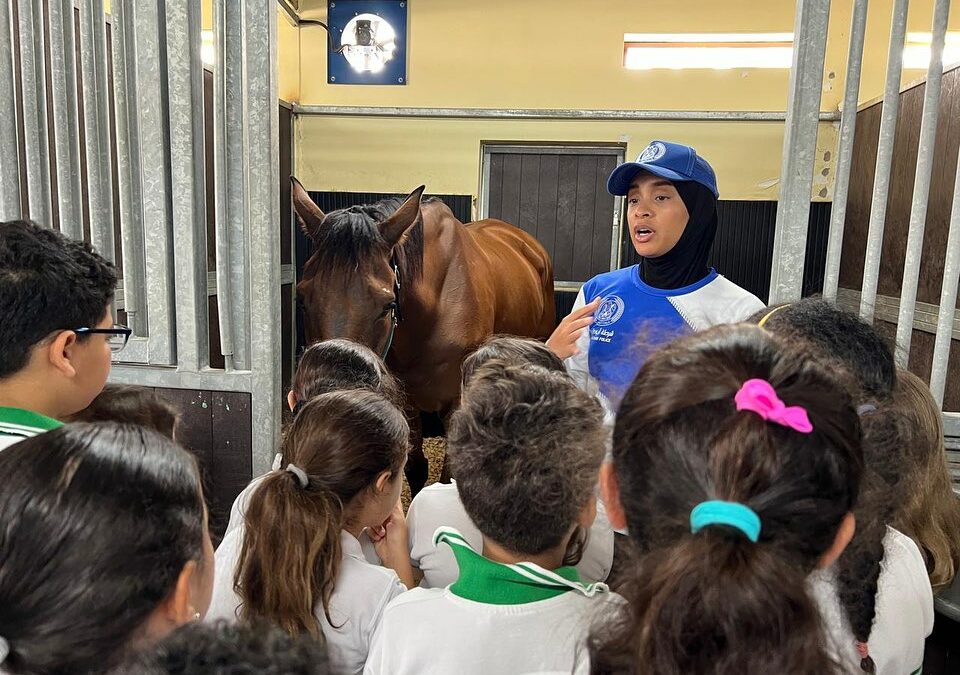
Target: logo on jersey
{"x":652,"y":152}
{"x":609,"y":312}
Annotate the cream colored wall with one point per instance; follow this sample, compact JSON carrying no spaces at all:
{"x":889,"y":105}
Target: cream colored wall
{"x":568,"y":54}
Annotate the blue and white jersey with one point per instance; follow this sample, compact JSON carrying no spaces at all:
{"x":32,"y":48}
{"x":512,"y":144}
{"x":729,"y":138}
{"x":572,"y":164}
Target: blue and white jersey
{"x":634,"y":319}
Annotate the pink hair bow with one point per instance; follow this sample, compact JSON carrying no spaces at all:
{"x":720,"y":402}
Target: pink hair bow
{"x":759,"y":396}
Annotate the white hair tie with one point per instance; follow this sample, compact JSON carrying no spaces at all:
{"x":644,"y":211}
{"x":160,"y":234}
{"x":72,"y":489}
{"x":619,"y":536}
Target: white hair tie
{"x":300,"y":474}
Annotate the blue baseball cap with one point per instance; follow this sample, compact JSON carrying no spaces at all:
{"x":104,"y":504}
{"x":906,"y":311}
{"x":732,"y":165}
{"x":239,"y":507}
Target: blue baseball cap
{"x":672,"y":161}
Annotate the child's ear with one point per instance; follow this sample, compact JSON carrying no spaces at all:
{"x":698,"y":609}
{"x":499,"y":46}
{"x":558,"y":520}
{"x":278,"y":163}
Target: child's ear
{"x":291,"y":399}
{"x":610,"y":493}
{"x":848,"y":526}
{"x":588,"y":513}
{"x":60,"y":351}
{"x":382,"y":480}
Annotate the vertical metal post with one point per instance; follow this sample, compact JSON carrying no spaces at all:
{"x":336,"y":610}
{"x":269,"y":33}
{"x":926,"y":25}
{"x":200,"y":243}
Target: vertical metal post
{"x":34,"y":88}
{"x":881,"y":182}
{"x":187,"y":187}
{"x":128,"y":165}
{"x":948,"y":299}
{"x":848,"y":123}
{"x":233,"y":280}
{"x":10,"y":207}
{"x":263,"y":216}
{"x":96,"y":115}
{"x":921,"y":184}
{"x":66,"y":117}
{"x":151,"y":57}
{"x":799,"y":150}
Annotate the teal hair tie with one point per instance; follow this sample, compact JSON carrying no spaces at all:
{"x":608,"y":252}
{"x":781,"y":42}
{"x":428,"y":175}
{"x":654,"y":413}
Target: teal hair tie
{"x":732,"y":514}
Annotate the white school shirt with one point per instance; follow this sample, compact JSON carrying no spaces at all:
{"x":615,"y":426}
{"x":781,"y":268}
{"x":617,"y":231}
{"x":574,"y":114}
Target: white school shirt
{"x":429,"y":631}
{"x":361,"y":593}
{"x":904,"y":610}
{"x":439,"y":505}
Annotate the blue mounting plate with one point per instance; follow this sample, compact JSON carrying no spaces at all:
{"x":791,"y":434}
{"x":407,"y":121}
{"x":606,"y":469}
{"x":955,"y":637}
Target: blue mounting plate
{"x":340,"y":13}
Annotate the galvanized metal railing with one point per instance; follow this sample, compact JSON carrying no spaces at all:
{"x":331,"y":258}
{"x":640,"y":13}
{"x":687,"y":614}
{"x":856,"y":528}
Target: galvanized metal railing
{"x":157,"y":107}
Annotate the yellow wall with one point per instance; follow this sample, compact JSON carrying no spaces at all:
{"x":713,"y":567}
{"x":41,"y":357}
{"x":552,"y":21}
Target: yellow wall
{"x":568,"y":54}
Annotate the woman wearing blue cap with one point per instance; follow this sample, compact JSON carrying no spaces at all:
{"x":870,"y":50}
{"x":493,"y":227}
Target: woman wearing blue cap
{"x":672,"y":218}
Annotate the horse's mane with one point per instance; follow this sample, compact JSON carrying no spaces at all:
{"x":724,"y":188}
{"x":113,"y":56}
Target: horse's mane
{"x":349,"y":237}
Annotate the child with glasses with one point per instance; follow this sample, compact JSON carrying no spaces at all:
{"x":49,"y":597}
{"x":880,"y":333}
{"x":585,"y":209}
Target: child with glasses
{"x":56,"y":333}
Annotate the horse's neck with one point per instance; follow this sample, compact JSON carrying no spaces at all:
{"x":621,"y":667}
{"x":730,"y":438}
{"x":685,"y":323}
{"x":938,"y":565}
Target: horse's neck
{"x":442,"y":250}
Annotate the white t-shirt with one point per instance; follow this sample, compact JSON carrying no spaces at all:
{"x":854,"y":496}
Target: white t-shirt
{"x":361,"y":593}
{"x":904,"y":610}
{"x":432,"y":630}
{"x":439,"y":505}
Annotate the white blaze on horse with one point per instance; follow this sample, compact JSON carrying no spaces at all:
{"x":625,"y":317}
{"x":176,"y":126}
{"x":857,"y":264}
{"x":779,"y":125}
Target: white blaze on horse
{"x":419,"y":287}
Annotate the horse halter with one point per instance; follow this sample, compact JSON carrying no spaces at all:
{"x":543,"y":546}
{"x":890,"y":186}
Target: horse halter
{"x":395,"y":315}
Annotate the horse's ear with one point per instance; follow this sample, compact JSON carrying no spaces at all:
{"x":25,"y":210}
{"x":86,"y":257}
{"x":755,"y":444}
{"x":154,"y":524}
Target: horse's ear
{"x":308,"y":213}
{"x":395,"y":228}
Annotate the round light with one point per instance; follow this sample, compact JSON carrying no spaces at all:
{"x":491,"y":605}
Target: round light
{"x":368,"y":42}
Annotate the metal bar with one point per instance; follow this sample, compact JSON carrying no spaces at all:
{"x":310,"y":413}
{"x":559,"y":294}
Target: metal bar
{"x":551,"y":113}
{"x":262,"y":215}
{"x":171,"y":378}
{"x":881,"y":182}
{"x":66,"y":117}
{"x":848,"y":123}
{"x":34,"y":90}
{"x":10,"y":207}
{"x":228,"y":138}
{"x":921,"y":183}
{"x":96,"y":115}
{"x":154,"y":180}
{"x":948,"y":298}
{"x":615,"y":234}
{"x":128,"y":165}
{"x":799,"y":151}
{"x":925,"y":319}
{"x":187,"y":188}
{"x":612,"y":150}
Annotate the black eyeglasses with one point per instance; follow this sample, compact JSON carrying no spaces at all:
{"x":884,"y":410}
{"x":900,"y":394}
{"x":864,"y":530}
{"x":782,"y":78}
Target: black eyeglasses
{"x":118,"y":335}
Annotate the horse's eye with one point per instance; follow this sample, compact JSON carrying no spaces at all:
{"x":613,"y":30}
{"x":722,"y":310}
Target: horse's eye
{"x":389,"y":307}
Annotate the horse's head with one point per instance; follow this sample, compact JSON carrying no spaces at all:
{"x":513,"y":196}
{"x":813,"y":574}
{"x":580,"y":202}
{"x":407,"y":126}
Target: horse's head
{"x":349,"y":287}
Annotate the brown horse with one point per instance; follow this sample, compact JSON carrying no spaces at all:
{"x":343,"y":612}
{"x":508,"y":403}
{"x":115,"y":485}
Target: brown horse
{"x":419,"y":287}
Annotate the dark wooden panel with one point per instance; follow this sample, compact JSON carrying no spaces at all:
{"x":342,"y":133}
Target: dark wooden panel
{"x":547,"y":202}
{"x":286,"y":329}
{"x":495,"y":191}
{"x":602,"y":216}
{"x":862,"y":173}
{"x":529,"y":193}
{"x":286,"y":169}
{"x":510,"y":192}
{"x":229,"y":456}
{"x":195,"y":432}
{"x":586,"y":201}
{"x":566,"y":219}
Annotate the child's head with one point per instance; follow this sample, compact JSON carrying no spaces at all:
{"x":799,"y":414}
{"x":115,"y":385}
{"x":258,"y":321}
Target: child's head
{"x":525,"y":447}
{"x":840,"y":336}
{"x":338,"y":364}
{"x":129,"y":404}
{"x":51,"y":286}
{"x":343,"y":458}
{"x":223,"y":648}
{"x":709,"y":596}
{"x":929,"y":511}
{"x":510,"y":350}
{"x":104,"y":546}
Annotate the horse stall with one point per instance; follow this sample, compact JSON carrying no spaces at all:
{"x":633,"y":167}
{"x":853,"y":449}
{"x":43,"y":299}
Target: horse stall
{"x":170,"y":164}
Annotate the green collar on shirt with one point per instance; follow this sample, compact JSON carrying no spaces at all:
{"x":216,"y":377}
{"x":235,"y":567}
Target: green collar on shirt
{"x":493,"y":583}
{"x":25,"y":423}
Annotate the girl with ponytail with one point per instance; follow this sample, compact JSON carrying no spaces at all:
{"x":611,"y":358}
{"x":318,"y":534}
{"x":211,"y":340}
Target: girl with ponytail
{"x":736,"y":466}
{"x":298,"y":561}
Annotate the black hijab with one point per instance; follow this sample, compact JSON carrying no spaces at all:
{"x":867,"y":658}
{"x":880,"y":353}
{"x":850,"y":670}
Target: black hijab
{"x":686,"y":262}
